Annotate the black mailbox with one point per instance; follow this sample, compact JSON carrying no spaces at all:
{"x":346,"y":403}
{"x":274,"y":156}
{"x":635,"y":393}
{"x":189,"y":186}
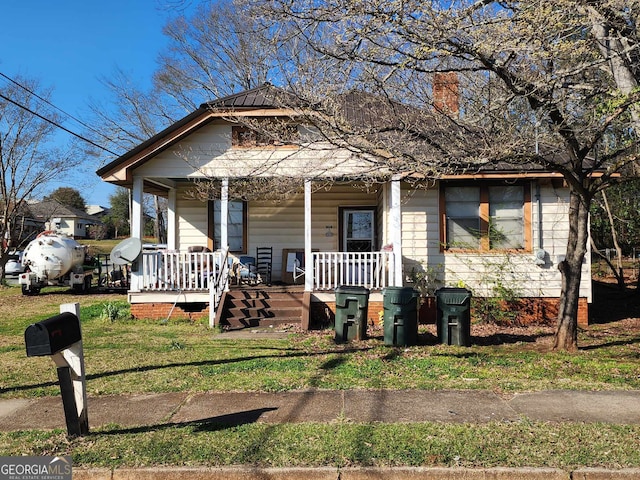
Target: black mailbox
{"x":52,"y":335}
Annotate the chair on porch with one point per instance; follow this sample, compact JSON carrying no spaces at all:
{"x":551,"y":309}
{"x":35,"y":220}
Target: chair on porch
{"x":264,"y":257}
{"x":298,"y":271}
{"x":246,"y":270}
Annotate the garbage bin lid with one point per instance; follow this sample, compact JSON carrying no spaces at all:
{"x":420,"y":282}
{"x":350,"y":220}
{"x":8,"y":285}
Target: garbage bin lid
{"x":399,"y":295}
{"x":408,"y":291}
{"x":453,"y":296}
{"x":398,"y":289}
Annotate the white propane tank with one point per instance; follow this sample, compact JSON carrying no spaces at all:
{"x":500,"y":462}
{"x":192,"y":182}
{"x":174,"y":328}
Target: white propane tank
{"x":51,"y":255}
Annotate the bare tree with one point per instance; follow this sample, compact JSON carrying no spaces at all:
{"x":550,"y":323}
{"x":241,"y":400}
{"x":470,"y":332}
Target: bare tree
{"x":543,"y":83}
{"x":129,"y":116}
{"x":211,"y":54}
{"x":29,"y":160}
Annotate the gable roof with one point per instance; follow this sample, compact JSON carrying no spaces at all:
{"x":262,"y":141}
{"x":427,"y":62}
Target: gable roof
{"x":265,"y":98}
{"x":360,"y":109}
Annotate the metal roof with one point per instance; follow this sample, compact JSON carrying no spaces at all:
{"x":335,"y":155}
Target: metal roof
{"x":264,"y":96}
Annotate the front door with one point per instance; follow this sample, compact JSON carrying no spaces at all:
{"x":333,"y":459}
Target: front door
{"x":358,"y":230}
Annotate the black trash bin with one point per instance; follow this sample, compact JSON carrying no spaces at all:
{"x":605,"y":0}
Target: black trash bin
{"x":352,"y":304}
{"x":454,"y":316}
{"x":400,"y":315}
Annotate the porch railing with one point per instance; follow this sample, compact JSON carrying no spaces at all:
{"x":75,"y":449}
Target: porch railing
{"x":372,"y":270}
{"x":202,"y":271}
{"x":175,"y":271}
{"x":219,"y":282}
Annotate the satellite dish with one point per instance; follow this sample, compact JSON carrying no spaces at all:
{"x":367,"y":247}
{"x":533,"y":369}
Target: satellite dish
{"x":126,"y":251}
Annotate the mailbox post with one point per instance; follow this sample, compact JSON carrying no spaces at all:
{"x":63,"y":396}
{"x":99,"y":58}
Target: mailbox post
{"x":61,"y":338}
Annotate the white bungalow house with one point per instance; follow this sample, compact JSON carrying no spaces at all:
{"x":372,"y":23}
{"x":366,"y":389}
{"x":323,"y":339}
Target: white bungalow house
{"x":63,"y":218}
{"x":338,"y":230}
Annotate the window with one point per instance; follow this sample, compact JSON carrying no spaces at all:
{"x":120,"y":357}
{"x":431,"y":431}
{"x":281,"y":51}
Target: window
{"x":486,"y":217}
{"x":236,"y":225}
{"x":463,"y":217}
{"x":506,"y":217}
{"x":358,"y":230}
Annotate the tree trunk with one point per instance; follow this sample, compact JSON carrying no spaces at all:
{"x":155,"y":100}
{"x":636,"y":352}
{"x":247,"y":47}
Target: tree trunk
{"x":566,"y":337}
{"x":616,"y":245}
{"x":613,"y":46}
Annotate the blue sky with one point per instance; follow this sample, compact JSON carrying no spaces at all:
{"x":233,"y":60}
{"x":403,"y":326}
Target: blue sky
{"x":69,"y":45}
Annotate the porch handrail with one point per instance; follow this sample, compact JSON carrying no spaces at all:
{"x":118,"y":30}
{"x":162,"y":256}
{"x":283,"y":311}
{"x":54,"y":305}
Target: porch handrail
{"x":176,"y":271}
{"x":219,"y":283}
{"x":372,"y":270}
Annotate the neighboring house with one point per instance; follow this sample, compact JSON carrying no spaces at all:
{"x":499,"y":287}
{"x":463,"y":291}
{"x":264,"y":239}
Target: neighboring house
{"x":63,"y":219}
{"x":489,"y":229}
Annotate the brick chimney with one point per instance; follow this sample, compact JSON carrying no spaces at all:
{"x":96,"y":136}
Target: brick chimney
{"x":445,"y":93}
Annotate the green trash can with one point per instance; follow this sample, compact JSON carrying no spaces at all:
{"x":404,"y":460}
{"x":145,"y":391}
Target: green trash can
{"x":400,"y":315}
{"x":352,"y":304}
{"x":454,"y":316}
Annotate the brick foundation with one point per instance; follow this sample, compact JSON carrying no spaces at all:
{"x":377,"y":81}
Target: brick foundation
{"x":160,"y":311}
{"x":530,"y":311}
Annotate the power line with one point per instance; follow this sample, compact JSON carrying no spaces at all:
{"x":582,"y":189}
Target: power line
{"x":59,"y":109}
{"x":15,"y":82}
{"x":58,"y":125}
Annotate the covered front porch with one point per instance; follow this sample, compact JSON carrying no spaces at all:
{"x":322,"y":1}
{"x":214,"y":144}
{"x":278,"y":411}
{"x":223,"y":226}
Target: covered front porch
{"x":176,"y":274}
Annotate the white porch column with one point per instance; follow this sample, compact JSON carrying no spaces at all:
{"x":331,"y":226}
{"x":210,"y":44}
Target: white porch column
{"x":224,"y":214}
{"x":137,"y":225}
{"x":396,"y":230}
{"x":308,"y":256}
{"x":171,"y":219}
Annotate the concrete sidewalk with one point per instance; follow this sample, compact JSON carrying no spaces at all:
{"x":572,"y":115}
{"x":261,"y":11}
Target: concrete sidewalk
{"x":468,"y":406}
{"x":152,"y":411}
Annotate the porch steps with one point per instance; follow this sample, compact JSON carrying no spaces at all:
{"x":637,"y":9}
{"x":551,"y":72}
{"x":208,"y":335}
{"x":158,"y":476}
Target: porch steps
{"x":252,"y":307}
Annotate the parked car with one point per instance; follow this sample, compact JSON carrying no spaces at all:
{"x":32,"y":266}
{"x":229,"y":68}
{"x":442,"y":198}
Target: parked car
{"x":14,"y":264}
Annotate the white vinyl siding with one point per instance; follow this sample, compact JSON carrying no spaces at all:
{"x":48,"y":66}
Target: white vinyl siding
{"x":281,"y":224}
{"x":420,"y":232}
{"x":191,"y":219}
{"x":208,"y":152}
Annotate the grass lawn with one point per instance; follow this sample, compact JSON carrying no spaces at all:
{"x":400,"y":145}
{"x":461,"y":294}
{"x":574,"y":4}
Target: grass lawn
{"x":100,"y":246}
{"x":124,"y":356}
